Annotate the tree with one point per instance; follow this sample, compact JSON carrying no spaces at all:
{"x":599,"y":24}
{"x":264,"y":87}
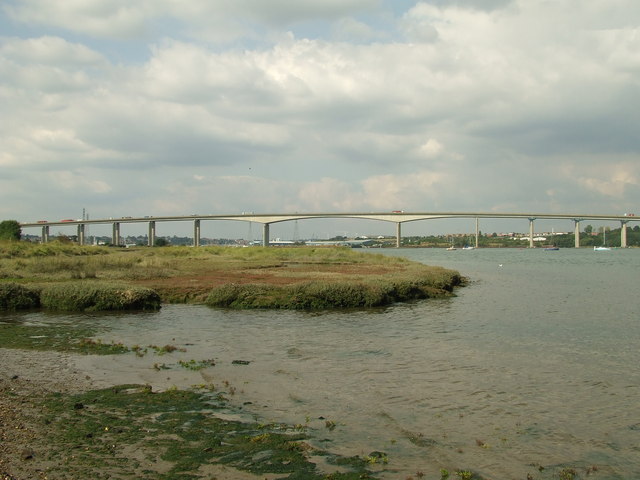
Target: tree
{"x":10,"y":230}
{"x":588,"y":229}
{"x":161,"y":242}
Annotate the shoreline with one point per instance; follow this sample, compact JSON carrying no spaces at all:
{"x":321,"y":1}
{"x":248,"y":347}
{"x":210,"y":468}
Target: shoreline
{"x":28,"y":377}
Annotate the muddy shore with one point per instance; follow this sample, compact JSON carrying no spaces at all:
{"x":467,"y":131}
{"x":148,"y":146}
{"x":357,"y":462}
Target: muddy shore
{"x":28,"y":377}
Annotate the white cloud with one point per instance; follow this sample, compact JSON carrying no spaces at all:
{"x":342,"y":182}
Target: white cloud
{"x":104,"y":18}
{"x":323,"y":105}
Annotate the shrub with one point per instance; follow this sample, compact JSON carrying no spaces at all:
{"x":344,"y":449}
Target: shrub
{"x":88,"y":297}
{"x":14,"y":296}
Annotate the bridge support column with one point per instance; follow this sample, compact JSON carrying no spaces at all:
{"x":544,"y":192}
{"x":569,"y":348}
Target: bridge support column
{"x":81,"y":234}
{"x":623,"y":233}
{"x":196,"y":233}
{"x":398,"y":234}
{"x":576,"y":233}
{"x":45,"y":234}
{"x":531,"y":232}
{"x":477,"y":231}
{"x":115,"y":236}
{"x":265,"y":234}
{"x":151,"y":240}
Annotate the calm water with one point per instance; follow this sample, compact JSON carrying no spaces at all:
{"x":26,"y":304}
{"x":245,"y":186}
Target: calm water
{"x":534,"y":363}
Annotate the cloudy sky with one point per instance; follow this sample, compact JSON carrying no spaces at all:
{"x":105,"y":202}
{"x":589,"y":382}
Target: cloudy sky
{"x":160,"y":107}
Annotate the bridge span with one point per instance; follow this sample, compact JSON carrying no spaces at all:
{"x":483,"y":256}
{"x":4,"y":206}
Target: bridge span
{"x":266,"y":219}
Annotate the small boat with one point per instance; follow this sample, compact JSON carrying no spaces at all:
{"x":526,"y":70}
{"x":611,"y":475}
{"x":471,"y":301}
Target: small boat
{"x":551,"y":248}
{"x":604,"y":243}
{"x":451,"y":247}
{"x":468,"y":247}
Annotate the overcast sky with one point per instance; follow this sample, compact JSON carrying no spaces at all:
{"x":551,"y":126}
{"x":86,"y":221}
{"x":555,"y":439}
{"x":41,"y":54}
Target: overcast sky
{"x":160,"y":107}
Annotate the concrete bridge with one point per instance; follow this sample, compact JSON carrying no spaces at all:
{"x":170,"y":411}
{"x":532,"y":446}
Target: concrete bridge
{"x":266,"y":219}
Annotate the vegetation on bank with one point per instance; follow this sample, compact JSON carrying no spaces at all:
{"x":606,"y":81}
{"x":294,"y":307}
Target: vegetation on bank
{"x":324,"y":295}
{"x":17,"y":297}
{"x":69,"y":277}
{"x":78,"y":297}
{"x":91,"y":296}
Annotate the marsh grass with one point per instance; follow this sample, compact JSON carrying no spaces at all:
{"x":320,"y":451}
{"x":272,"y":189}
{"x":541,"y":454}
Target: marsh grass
{"x":17,"y":297}
{"x":94,"y":296}
{"x":319,"y":295}
{"x":257,"y":277}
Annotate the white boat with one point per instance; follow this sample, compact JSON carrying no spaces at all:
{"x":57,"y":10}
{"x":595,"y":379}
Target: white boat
{"x":468,"y":247}
{"x":599,"y":249}
{"x":451,"y":247}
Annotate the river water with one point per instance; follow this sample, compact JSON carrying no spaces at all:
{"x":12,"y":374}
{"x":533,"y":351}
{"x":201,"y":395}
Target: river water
{"x":531,"y":368}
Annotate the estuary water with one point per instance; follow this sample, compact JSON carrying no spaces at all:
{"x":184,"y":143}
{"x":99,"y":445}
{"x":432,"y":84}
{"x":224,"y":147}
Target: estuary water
{"x":532,"y":368}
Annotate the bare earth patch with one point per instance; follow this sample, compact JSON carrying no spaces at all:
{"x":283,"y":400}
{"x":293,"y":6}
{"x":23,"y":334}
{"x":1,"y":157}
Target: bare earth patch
{"x":197,"y":285}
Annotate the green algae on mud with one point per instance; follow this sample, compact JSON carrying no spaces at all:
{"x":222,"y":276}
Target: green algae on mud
{"x":176,"y":434}
{"x":61,"y":338}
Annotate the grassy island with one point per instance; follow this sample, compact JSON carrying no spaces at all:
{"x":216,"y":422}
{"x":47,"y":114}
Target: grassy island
{"x":68,"y":277}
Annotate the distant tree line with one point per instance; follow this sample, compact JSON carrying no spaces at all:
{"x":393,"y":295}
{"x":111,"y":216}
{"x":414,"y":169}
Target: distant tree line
{"x":10,"y":230}
{"x":588,"y":238}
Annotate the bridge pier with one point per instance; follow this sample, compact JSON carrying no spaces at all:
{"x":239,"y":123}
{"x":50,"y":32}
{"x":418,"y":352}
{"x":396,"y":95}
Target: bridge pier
{"x":623,"y":233}
{"x":477,"y":231}
{"x":151,"y":240}
{"x":45,"y":234}
{"x":196,"y":233}
{"x":531,"y":232}
{"x":576,"y":232}
{"x":398,"y":234}
{"x":81,"y":234}
{"x":265,"y":234}
{"x":115,"y":234}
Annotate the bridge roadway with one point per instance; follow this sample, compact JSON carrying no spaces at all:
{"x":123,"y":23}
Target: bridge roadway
{"x":267,"y":219}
